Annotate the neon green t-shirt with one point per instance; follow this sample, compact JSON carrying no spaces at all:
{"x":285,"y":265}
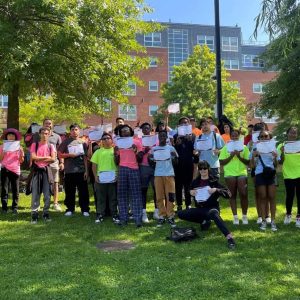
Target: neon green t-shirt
{"x":235,"y":167}
{"x":291,"y":164}
{"x":104,"y":159}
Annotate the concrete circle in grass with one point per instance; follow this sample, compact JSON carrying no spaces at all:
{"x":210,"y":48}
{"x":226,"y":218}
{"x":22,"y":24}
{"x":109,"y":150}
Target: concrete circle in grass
{"x":115,"y":245}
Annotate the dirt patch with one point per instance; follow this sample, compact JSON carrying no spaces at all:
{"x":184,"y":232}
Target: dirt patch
{"x":115,"y":245}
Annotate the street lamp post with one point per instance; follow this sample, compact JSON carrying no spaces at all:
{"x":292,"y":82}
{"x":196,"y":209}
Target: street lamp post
{"x":218,"y":61}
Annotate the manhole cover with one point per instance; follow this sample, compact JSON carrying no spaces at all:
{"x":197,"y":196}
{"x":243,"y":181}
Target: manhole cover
{"x":115,"y":245}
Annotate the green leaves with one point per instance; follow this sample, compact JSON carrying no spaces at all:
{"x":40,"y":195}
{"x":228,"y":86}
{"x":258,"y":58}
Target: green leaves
{"x":193,"y":87}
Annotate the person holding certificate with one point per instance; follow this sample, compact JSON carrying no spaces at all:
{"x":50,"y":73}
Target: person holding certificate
{"x":234,"y":156}
{"x":164,"y":156}
{"x":147,"y":171}
{"x":207,"y":190}
{"x":289,"y":153}
{"x":184,"y":145}
{"x":208,"y":146}
{"x":43,"y":154}
{"x":265,"y":172}
{"x":105,"y":174}
{"x":127,"y":156}
{"x":74,"y":152}
{"x":11,"y":157}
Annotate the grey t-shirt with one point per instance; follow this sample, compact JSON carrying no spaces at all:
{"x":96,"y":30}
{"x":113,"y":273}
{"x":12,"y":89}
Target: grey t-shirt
{"x":76,"y":164}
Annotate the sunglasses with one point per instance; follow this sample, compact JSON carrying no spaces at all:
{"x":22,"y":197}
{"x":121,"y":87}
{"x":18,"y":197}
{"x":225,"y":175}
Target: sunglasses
{"x":263,"y":136}
{"x":107,"y":138}
{"x":203,"y":168}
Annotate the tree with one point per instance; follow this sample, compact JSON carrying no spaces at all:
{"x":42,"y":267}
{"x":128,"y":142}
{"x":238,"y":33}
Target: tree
{"x":37,"y":108}
{"x":193,"y":87}
{"x":77,"y":51}
{"x":281,"y":97}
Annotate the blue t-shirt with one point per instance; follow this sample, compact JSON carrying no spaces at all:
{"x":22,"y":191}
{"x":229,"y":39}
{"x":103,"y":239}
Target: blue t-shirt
{"x":164,"y":167}
{"x":208,"y":155}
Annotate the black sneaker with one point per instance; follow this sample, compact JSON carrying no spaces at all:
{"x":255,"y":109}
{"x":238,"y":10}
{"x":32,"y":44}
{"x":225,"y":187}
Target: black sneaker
{"x":160,"y":222}
{"x":122,"y":224}
{"x":99,"y":218}
{"x":171,"y":221}
{"x":34,"y":218}
{"x":15,"y":211}
{"x":138,"y":224}
{"x":116,"y":219}
{"x":46,"y":218}
{"x":231,"y":243}
{"x":205,"y":225}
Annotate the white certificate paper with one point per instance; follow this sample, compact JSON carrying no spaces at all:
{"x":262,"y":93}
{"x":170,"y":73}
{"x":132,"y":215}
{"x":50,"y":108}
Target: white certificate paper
{"x":10,"y":146}
{"x":235,"y":146}
{"x":202,"y":194}
{"x":35,"y":128}
{"x":292,"y":147}
{"x":60,"y":129}
{"x":184,"y":130}
{"x":161,"y":154}
{"x":138,"y":132}
{"x":124,"y":142}
{"x":107,"y":176}
{"x":149,"y":140}
{"x":77,"y":149}
{"x":266,"y":146}
{"x":173,"y":108}
{"x":255,"y":135}
{"x":204,"y":145}
{"x":95,"y":135}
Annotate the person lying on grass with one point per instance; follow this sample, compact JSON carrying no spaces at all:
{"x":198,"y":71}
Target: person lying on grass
{"x":207,"y":190}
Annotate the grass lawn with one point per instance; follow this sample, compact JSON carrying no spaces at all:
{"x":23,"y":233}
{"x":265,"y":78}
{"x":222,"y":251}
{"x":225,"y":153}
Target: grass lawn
{"x":59,"y":260}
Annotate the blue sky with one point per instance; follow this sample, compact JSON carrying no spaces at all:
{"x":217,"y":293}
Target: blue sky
{"x":232,"y":12}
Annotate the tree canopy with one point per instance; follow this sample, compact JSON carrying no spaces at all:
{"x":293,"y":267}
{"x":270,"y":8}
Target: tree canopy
{"x":281,"y":97}
{"x":193,"y":87}
{"x":77,"y":51}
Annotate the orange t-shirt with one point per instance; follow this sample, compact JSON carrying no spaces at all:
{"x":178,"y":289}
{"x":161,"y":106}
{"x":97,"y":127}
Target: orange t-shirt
{"x":225,"y":137}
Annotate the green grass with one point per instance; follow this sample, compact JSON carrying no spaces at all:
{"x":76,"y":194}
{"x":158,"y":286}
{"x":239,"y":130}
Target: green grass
{"x":60,"y":260}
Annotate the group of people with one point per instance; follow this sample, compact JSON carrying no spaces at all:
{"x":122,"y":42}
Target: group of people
{"x":181,"y":164}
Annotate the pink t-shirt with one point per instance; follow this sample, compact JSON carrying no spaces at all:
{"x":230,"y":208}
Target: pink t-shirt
{"x":128,"y":156}
{"x":11,"y":161}
{"x":43,"y":150}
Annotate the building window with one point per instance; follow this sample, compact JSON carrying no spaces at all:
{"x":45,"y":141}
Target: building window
{"x":131,"y":89}
{"x":127,"y":112}
{"x":252,"y":61}
{"x":206,"y":40}
{"x":105,"y":104}
{"x":265,"y":117}
{"x":153,"y":62}
{"x":152,"y":39}
{"x":257,"y":88}
{"x":229,"y":43}
{"x":3,"y":101}
{"x":231,"y":64}
{"x":153,"y":86}
{"x":152,"y":110}
{"x":236,"y":84}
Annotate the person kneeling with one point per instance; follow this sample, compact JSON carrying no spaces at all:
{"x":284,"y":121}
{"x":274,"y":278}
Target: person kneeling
{"x":207,"y":191}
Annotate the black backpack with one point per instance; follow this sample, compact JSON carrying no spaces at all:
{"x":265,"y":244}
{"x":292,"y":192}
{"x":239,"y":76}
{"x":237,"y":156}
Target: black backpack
{"x":182,"y":234}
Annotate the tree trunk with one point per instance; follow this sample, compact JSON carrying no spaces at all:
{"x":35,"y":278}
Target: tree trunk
{"x":13,"y":107}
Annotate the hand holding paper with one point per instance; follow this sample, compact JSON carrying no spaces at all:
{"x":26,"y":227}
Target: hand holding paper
{"x":202,"y":193}
{"x":11,"y":146}
{"x":124,"y":142}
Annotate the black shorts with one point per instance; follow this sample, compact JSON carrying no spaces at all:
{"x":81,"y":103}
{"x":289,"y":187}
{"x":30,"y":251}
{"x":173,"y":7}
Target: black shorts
{"x":261,"y":180}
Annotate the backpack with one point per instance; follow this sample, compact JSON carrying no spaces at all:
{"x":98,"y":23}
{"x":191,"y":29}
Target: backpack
{"x":182,"y":234}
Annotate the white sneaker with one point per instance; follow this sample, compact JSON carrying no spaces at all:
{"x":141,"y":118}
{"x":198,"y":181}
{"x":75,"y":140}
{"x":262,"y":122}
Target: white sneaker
{"x":155,"y":214}
{"x":268,"y":220}
{"x":273,"y":226}
{"x":236,"y":220}
{"x":86,"y":214}
{"x":263,"y":225}
{"x":298,"y":222}
{"x":56,"y":207}
{"x":259,"y":220}
{"x":68,"y":214}
{"x":245,"y":220}
{"x":287,"y":219}
{"x":145,"y":217}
